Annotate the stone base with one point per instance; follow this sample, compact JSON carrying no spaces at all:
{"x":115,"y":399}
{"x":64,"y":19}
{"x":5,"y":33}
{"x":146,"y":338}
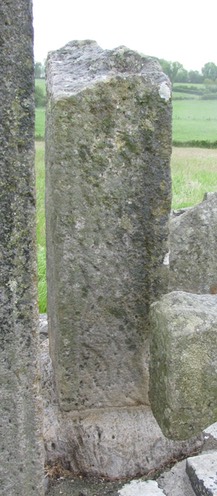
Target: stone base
{"x":111,"y":443}
{"x":114,"y":442}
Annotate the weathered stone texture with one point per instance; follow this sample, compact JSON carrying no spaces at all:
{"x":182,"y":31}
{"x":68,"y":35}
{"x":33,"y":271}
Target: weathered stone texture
{"x":193,"y":248}
{"x":21,"y":453}
{"x":183,"y":363}
{"x":112,"y":443}
{"x":210,"y":437}
{"x":108,"y":149}
{"x":202,"y":472}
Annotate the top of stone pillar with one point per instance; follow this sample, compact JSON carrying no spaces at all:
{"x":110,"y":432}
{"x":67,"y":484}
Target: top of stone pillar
{"x":81,"y":64}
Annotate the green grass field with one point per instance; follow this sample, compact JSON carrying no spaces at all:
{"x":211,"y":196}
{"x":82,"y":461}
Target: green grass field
{"x":194,"y":173}
{"x":41,"y":84}
{"x":40,"y":114}
{"x":39,"y":123}
{"x":41,"y":248}
{"x":194,"y":120}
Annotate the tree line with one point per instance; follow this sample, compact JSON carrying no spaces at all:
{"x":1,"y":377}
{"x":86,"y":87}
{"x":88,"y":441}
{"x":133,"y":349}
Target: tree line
{"x":178,"y":74}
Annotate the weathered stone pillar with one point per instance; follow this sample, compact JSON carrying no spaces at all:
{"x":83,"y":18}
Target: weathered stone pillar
{"x":21,"y":453}
{"x":108,"y":200}
{"x":108,"y":149}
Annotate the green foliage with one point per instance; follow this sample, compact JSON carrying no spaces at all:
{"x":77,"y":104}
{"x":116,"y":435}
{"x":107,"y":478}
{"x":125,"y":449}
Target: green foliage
{"x":39,"y":70}
{"x":210,"y":86}
{"x":195,"y":144}
{"x":171,"y":69}
{"x":40,"y":100}
{"x":177,"y":73}
{"x":195,"y":77}
{"x":187,"y":88}
{"x":182,"y":76}
{"x":206,"y":91}
{"x":209,"y":71}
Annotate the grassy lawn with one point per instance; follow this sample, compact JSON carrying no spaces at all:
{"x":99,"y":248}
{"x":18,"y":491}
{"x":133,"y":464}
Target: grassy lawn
{"x":39,"y":123}
{"x":41,"y":84}
{"x":41,"y":251}
{"x":194,"y":172}
{"x":194,"y":120}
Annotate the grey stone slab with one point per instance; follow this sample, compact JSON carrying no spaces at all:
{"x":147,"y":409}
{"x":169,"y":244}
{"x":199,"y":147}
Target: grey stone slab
{"x":193,"y":248}
{"x":175,"y":481}
{"x":183,"y":363}
{"x":210,"y":437}
{"x":202,"y":471}
{"x":21,"y":446}
{"x":108,"y":194}
{"x":141,"y":488}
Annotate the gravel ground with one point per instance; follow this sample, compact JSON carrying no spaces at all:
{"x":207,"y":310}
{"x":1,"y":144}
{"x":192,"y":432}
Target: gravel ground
{"x":173,"y":482}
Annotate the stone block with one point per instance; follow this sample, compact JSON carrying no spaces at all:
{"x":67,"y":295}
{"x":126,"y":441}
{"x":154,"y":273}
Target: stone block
{"x":175,"y":481}
{"x":108,"y":146}
{"x":141,"y":488}
{"x":183,"y":363}
{"x":210,"y":438}
{"x":202,"y":472}
{"x":193,"y":248}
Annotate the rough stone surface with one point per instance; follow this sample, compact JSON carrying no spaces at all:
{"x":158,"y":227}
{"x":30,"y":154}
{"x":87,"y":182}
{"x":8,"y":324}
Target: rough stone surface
{"x":175,"y":481}
{"x":210,"y":437}
{"x":202,"y":471}
{"x":108,"y":198}
{"x":111,"y":443}
{"x":21,"y":454}
{"x":183,"y":363}
{"x":141,"y":488}
{"x":43,"y":327}
{"x":193,"y":248}
{"x":116,"y":443}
